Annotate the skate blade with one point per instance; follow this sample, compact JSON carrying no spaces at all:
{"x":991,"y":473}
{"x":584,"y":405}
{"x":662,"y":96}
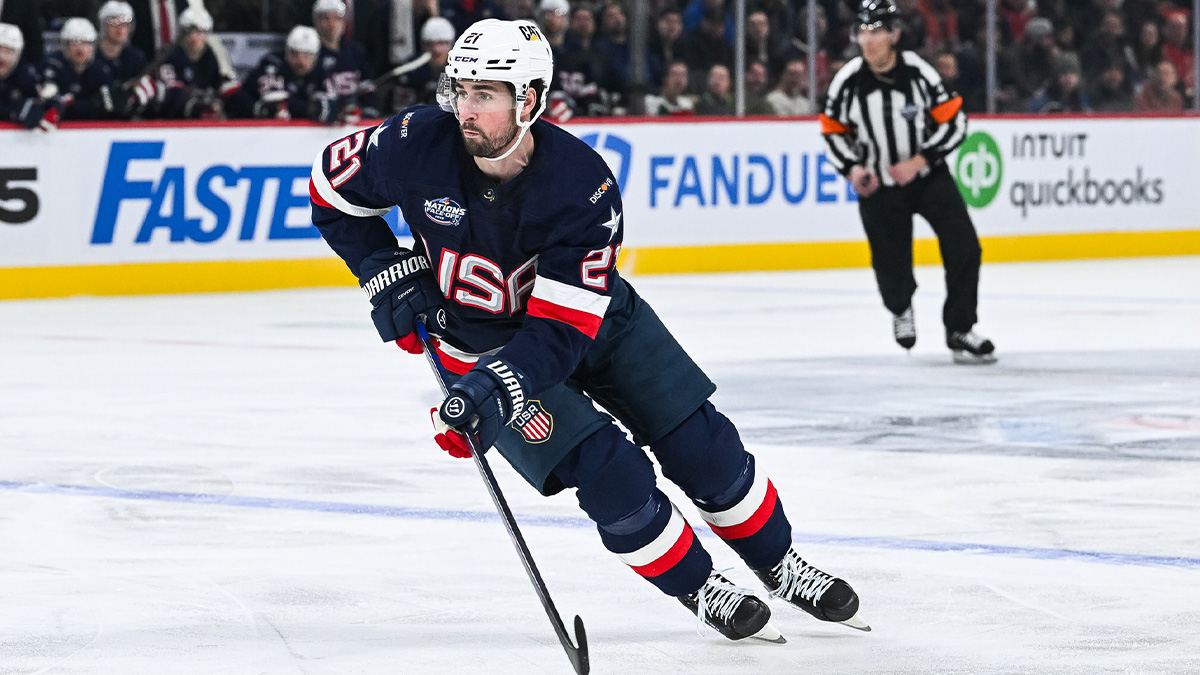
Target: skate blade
{"x":770,"y":634}
{"x":968,"y":359}
{"x":857,"y":623}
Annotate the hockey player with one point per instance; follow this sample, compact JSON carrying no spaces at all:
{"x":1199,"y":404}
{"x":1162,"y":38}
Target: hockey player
{"x":418,"y":83}
{"x":517,"y":227}
{"x":344,"y":63}
{"x":127,"y":63}
{"x":287,"y":85}
{"x":195,"y":85}
{"x":20,"y":100}
{"x":84,"y":85}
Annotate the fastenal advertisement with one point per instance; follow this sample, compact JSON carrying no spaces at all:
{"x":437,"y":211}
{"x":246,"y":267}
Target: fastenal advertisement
{"x":106,"y":196}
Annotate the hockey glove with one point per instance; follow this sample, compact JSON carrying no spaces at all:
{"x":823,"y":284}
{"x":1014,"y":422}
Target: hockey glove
{"x":484,"y":400}
{"x":402,"y":288}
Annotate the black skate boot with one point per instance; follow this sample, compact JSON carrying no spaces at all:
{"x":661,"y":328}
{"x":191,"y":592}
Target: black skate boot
{"x":825,"y":597}
{"x":733,"y":611}
{"x":904,"y":328}
{"x":969,"y":348}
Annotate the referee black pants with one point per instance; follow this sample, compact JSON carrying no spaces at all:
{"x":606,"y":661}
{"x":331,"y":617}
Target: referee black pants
{"x":887,"y":217}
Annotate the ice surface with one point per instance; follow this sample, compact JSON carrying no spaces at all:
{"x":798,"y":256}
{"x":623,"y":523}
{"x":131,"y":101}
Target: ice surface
{"x":246,"y":483}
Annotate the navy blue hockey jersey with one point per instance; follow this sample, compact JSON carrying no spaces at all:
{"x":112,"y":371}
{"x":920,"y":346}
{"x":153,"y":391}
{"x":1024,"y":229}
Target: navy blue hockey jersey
{"x":127,"y":65}
{"x":527,"y":267}
{"x":81,"y":91}
{"x":348,"y":73}
{"x":186,"y":79}
{"x":273,"y":76}
{"x":19,"y":94}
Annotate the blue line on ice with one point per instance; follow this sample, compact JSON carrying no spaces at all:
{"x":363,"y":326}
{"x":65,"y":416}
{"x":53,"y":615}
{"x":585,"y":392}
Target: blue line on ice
{"x":880,"y":543}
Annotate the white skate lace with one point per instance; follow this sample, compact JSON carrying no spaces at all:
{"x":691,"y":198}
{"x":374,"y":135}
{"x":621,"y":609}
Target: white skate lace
{"x":903,"y":324}
{"x":797,"y":577}
{"x":725,"y":599}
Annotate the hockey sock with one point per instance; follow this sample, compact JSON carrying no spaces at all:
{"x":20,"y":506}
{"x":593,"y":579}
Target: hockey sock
{"x":615,"y":484}
{"x":705,"y":457}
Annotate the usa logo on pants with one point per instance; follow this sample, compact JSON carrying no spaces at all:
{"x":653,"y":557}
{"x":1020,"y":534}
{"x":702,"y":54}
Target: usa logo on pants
{"x":534,"y":423}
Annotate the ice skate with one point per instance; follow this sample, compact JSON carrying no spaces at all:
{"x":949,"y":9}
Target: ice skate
{"x":733,"y":611}
{"x":825,"y":597}
{"x":904,"y":328}
{"x":969,"y":348}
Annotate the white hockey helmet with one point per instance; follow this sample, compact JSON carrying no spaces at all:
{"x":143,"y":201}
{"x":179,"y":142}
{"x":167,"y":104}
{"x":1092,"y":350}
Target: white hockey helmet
{"x":437,"y":29}
{"x":77,"y":29}
{"x":515,"y":52}
{"x":115,"y":11}
{"x":195,"y":18}
{"x":304,"y":39}
{"x":329,"y":7}
{"x":10,"y":36}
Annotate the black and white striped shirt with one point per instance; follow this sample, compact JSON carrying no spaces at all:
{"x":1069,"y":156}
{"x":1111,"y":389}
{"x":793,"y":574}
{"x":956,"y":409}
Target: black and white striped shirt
{"x":877,"y":120}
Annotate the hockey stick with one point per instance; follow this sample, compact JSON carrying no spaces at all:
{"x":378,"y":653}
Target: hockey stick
{"x":578,"y":655}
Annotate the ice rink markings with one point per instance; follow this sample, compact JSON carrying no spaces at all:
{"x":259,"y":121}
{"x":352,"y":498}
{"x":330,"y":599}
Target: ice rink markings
{"x":581,"y":523}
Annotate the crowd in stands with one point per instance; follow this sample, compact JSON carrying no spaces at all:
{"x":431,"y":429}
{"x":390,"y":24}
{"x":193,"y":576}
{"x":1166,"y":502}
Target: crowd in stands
{"x":347,"y":59}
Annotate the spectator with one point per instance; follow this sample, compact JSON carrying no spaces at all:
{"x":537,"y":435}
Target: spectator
{"x":126,"y":61}
{"x":1160,"y":91}
{"x":912,"y":27}
{"x":790,"y":96}
{"x":581,"y":72}
{"x":195,"y":85}
{"x":1108,"y":46}
{"x":756,"y":90}
{"x":552,"y":19}
{"x":696,"y":10}
{"x":941,"y":25}
{"x":20,"y":100}
{"x":344,"y":64}
{"x":1177,"y":48}
{"x":1148,"y":51}
{"x":25,"y":17}
{"x":419,"y":84}
{"x":612,"y":42}
{"x":520,"y":9}
{"x":286,"y":86}
{"x":717,"y":98}
{"x":706,"y":47}
{"x":762,"y":46}
{"x":85,"y":85}
{"x":822,"y":43}
{"x":1031,"y":59}
{"x":1015,"y":14}
{"x":463,"y":13}
{"x":1112,"y":93}
{"x":1065,"y":92}
{"x":974,"y":97}
{"x":780,"y":15}
{"x":665,"y":43}
{"x":674,"y":99}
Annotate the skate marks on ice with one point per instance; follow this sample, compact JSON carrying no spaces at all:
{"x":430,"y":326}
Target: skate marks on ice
{"x":1098,"y":405}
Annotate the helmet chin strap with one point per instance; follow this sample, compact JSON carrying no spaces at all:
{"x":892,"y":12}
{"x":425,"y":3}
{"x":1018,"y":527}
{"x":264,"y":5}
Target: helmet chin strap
{"x":524,"y":127}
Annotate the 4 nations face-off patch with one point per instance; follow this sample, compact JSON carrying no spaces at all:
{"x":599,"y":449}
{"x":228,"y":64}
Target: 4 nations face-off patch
{"x":534,"y":423}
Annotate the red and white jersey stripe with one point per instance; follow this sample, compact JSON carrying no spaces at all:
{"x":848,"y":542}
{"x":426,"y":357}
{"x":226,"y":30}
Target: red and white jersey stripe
{"x":456,"y":360}
{"x":667,"y":549}
{"x":748,"y":515}
{"x":574,"y":306}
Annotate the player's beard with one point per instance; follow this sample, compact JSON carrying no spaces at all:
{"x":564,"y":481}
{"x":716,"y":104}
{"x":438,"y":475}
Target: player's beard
{"x":490,"y":146}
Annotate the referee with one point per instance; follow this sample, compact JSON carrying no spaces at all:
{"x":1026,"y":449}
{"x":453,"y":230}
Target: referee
{"x":889,"y":124}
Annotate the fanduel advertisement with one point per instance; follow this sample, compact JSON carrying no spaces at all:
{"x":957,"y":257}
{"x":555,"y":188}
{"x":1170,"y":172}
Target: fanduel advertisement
{"x":163,"y":194}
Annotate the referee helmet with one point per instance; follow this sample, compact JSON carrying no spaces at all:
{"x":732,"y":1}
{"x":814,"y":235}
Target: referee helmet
{"x":878,"y":14}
